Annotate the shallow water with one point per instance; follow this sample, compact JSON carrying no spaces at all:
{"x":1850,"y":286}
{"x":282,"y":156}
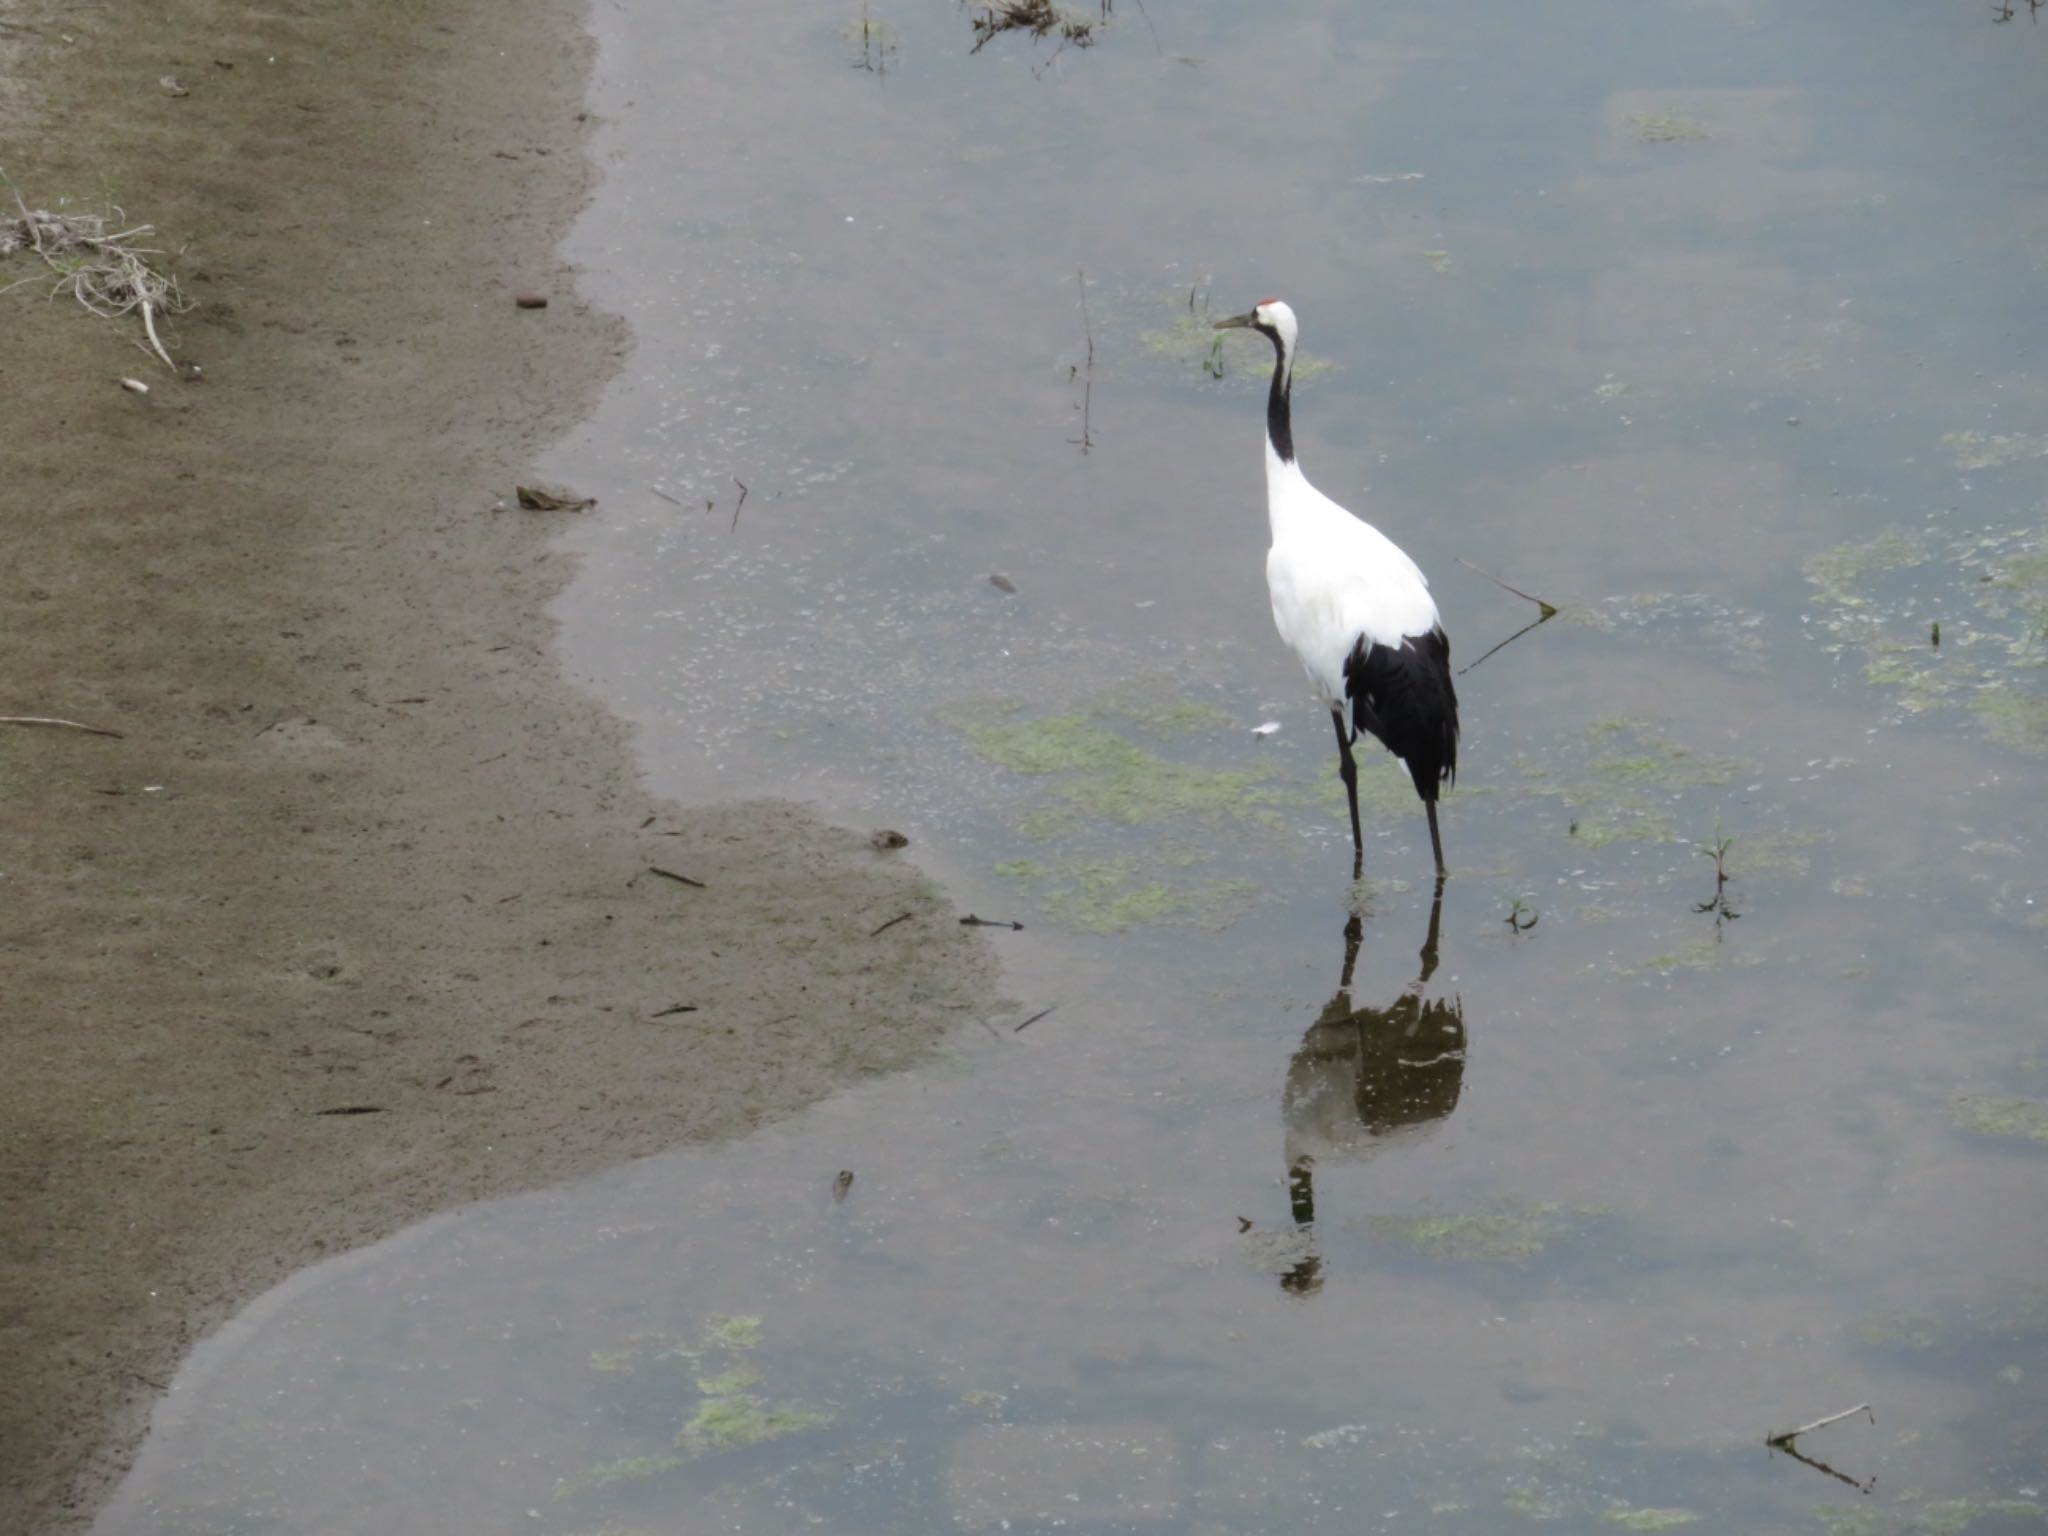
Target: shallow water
{"x":1719,"y":329}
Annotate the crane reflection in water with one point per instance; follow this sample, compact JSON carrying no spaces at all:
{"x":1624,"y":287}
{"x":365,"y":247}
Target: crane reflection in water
{"x":1364,"y":1078}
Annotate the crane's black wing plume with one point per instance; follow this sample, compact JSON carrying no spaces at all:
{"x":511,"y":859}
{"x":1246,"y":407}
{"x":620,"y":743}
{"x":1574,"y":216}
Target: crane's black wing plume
{"x":1404,"y":696}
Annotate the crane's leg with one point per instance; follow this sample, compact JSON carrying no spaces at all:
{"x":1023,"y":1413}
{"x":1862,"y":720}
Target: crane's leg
{"x":1306,"y":1277}
{"x":1347,"y":769}
{"x":1429,"y":942}
{"x":1301,"y":1191}
{"x":1436,"y":843}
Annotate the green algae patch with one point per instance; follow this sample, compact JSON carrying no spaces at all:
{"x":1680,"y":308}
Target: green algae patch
{"x":1771,"y":851}
{"x":1046,"y":823}
{"x":1956,"y":623}
{"x":730,"y":1421}
{"x":1385,"y":792}
{"x":1630,"y":752}
{"x":1701,"y":954}
{"x":1845,"y":572}
{"x":734,"y":1332}
{"x":625,"y":1470}
{"x":1901,"y":1330}
{"x":1939,"y":1517}
{"x":1135,"y":823}
{"x":1102,"y":903}
{"x":1665,"y":128}
{"x":2012,"y":718}
{"x":1624,"y":824}
{"x":2016,"y":1119}
{"x":1506,"y":1234}
{"x":1627,"y":769}
{"x":1994,"y":450}
{"x":731,"y":1414}
{"x":732,"y":1408}
{"x":1163,"y":716}
{"x":1136,"y":787}
{"x":1648,"y":1519}
{"x":1106,"y":775}
{"x":729,"y":1383}
{"x":1488,"y":1237}
{"x":1702,"y":623}
{"x":1537,"y":1503}
{"x":2020,"y":1313}
{"x":1115,"y":895}
{"x":1622,"y":783}
{"x":639,"y":1349}
{"x":1954,"y":1515}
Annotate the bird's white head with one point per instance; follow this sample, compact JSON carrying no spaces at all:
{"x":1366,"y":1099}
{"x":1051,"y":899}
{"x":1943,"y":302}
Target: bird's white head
{"x":1269,"y":316}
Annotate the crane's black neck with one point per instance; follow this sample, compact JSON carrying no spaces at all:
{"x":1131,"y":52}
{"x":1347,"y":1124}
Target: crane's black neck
{"x":1279,"y":428}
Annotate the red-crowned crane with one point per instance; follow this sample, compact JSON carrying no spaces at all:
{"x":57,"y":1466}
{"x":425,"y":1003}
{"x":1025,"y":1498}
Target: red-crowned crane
{"x":1355,"y":609}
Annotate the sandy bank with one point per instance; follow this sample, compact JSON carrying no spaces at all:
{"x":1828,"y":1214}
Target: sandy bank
{"x":357,"y":847}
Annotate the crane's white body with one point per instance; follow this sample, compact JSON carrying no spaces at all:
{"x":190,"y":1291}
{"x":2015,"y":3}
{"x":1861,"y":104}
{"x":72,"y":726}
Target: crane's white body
{"x":1333,"y":578}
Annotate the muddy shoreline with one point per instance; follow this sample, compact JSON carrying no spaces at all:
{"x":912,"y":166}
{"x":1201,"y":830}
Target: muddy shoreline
{"x":358,"y":847}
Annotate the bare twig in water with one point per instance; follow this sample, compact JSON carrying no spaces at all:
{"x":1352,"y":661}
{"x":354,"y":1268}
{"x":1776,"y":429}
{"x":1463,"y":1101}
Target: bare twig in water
{"x":901,"y":917}
{"x":1820,"y":1466}
{"x":1086,"y":440}
{"x":971,"y":921}
{"x":1545,"y":612}
{"x":1503,"y":645}
{"x":106,"y":273}
{"x":736,"y":480}
{"x":352,"y":1109}
{"x":675,"y":1008}
{"x":1032,"y":1020}
{"x":669,"y":874}
{"x":1549,"y":610}
{"x":1783,"y":1440}
{"x":69,"y":725}
{"x":1146,"y":16}
{"x":664,"y":495}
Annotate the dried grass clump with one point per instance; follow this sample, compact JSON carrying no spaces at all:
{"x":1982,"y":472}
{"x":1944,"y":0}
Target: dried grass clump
{"x":1040,"y":18}
{"x":106,"y":272}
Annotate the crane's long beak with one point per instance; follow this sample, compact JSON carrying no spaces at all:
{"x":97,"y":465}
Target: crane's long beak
{"x":1245,"y":319}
